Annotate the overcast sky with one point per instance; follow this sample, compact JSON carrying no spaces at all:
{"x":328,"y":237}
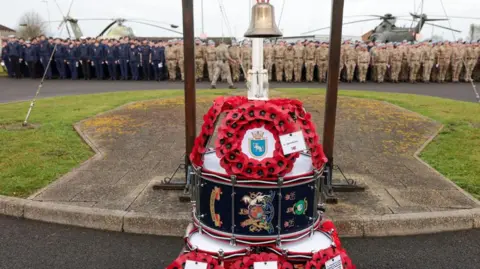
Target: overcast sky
{"x":299,"y":15}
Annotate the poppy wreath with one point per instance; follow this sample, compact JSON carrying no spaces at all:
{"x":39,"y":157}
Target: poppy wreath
{"x":180,"y":262}
{"x":329,"y":228}
{"x":320,"y":258}
{"x":279,"y":116}
{"x":249,"y":261}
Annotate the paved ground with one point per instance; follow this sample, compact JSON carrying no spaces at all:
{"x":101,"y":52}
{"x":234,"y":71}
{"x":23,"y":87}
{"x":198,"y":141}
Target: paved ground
{"x":375,"y":143}
{"x":37,"y":245}
{"x":18,"y":90}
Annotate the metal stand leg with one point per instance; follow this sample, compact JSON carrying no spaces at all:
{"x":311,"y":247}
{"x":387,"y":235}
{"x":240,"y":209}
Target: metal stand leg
{"x":328,"y":188}
{"x":167,"y":184}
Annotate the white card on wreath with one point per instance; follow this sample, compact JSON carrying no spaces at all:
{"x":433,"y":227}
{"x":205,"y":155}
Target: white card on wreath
{"x":293,"y":142}
{"x":265,"y":265}
{"x":195,"y":265}
{"x":335,"y":263}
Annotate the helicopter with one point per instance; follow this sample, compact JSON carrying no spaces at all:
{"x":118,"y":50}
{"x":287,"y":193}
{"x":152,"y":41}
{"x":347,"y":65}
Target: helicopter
{"x":115,"y":29}
{"x":387,"y":31}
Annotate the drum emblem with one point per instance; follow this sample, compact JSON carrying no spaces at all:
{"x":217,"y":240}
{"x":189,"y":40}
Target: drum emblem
{"x":257,"y":145}
{"x":260,"y":212}
{"x":299,"y":208}
{"x":215,"y":196}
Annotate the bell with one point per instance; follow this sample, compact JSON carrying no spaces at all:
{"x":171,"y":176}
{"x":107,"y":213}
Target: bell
{"x":263,"y":23}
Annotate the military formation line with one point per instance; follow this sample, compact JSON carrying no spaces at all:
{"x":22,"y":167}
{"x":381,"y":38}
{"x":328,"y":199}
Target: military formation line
{"x":133,"y":59}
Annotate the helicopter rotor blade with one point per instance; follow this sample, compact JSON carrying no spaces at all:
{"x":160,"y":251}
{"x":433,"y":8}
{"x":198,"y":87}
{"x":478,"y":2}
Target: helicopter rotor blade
{"x":70,"y":8}
{"x":437,"y":19}
{"x":443,"y":27}
{"x":174,"y":26}
{"x":352,"y":22}
{"x":157,"y":26}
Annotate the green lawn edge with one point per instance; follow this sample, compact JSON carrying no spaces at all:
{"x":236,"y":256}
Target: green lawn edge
{"x":33,"y":158}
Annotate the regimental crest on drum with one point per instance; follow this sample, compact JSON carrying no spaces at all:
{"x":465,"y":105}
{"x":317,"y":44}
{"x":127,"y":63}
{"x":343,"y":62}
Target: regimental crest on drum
{"x":257,"y":144}
{"x":260,"y":212}
{"x":299,"y":208}
{"x":215,"y":196}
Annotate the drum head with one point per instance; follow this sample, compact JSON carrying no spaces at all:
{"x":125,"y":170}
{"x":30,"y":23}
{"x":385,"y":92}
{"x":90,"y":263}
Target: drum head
{"x":209,"y":244}
{"x":319,"y":241}
{"x":303,"y":165}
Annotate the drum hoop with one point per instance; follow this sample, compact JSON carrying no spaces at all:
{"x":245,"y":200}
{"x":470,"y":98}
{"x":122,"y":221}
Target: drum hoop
{"x":228,"y":255}
{"x":293,"y":254}
{"x":258,"y":240}
{"x":228,"y":182}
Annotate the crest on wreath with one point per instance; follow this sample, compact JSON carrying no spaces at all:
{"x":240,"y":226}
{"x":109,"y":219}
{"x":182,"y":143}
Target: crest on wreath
{"x":257,"y":144}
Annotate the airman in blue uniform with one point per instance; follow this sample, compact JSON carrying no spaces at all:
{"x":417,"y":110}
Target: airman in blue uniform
{"x":15,"y":54}
{"x":30,"y":55}
{"x":134,"y":60}
{"x":112,"y":60}
{"x":146,"y":60}
{"x":123,"y":57}
{"x":45,"y":52}
{"x":60,"y":58}
{"x":73,"y":55}
{"x":158,"y":60}
{"x":98,"y":59}
{"x":85,"y":53}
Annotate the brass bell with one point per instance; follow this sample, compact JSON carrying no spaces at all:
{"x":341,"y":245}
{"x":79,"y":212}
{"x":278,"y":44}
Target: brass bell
{"x":263,"y":23}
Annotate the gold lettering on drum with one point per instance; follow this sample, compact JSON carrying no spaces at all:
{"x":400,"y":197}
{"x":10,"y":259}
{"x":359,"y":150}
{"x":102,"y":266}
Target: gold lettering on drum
{"x":215,"y":196}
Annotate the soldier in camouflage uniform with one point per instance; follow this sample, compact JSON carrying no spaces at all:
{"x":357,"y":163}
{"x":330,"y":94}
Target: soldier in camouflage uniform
{"x":404,"y":72}
{"x":381,"y":60}
{"x":310,"y":61}
{"x":171,"y":58}
{"x":428,"y":60}
{"x":350,"y":62}
{"x":396,"y":57}
{"x":199,"y":59}
{"x":299,"y":60}
{"x":234,"y":51}
{"x":289,"y":57}
{"x":363,"y":61}
{"x":181,"y":59}
{"x":457,"y":61}
{"x":414,"y":57}
{"x":268,"y":57}
{"x":211,"y":57}
{"x":321,"y":59}
{"x":221,"y":66}
{"x":470,"y":59}
{"x":279,"y":54}
{"x":246,"y":57}
{"x":444,"y":55}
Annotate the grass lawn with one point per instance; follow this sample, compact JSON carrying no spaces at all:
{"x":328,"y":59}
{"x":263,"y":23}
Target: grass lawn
{"x":33,"y":158}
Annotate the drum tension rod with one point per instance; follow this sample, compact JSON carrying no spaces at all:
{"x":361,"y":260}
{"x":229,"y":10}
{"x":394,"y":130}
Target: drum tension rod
{"x":279,"y":222}
{"x":233,"y":241}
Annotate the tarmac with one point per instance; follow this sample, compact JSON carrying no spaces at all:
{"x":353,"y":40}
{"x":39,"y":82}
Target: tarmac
{"x":139,"y":144}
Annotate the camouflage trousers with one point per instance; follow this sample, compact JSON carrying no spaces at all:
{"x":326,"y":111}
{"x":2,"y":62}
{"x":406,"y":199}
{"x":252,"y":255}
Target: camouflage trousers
{"x":182,"y":68}
{"x":457,"y":66}
{"x":269,"y":66}
{"x":322,"y":70}
{"x":297,"y":69}
{"x":279,"y":69}
{"x":442,"y":70}
{"x":288,"y":70}
{"x":222,"y":68}
{"x":310,"y":67}
{"x":172,"y":69}
{"x":340,"y":71}
{"x":404,"y":71}
{"x":235,"y":71}
{"x":396,"y":68}
{"x":427,"y":70}
{"x":211,"y":69}
{"x":469,"y":67}
{"x":362,"y":71}
{"x":350,"y":69}
{"x":381,"y":70}
{"x":247,"y":65}
{"x":199,"y":65}
{"x":414,"y":66}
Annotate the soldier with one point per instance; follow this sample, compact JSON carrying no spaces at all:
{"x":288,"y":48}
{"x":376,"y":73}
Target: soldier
{"x":246,"y":57}
{"x":457,"y":61}
{"x":145,"y":55}
{"x":134,"y":60}
{"x":363,"y":60}
{"x":310,"y":61}
{"x":221,"y":66}
{"x":279,"y":53}
{"x":158,"y":60}
{"x":381,"y":61}
{"x":342,"y":59}
{"x":73,"y":54}
{"x":268,"y":57}
{"x":181,"y":58}
{"x":234,"y":51}
{"x":404,"y":70}
{"x":123,"y":56}
{"x":111,"y":60}
{"x":350,"y":62}
{"x":414,"y":57}
{"x":98,"y":59}
{"x":171,"y":57}
{"x":396,"y":57}
{"x":289,"y":56}
{"x":15,"y":54}
{"x":85,"y":58}
{"x":44,"y":52}
{"x":6,"y":59}
{"x":199,"y":59}
{"x":211,"y":55}
{"x":321,"y":59}
{"x":60,"y":58}
{"x":299,"y":60}
{"x":470,"y":58}
{"x":428,"y":59}
{"x":443,"y":61}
